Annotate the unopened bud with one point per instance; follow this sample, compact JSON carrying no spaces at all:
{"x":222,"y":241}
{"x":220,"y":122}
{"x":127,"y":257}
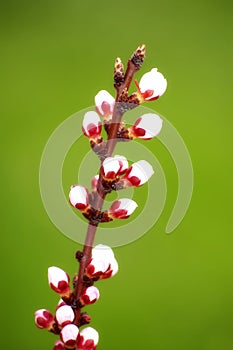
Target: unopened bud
{"x":64,"y":315}
{"x":139,"y":173}
{"x":104,"y":103}
{"x":152,"y":85}
{"x":44,"y":319}
{"x":103,"y":263}
{"x":79,"y":197}
{"x":69,"y":335}
{"x":89,"y":295}
{"x":59,"y":281}
{"x":88,"y":339}
{"x":114,"y":166}
{"x":92,"y":125}
{"x":146,"y":127}
{"x":122,"y":208}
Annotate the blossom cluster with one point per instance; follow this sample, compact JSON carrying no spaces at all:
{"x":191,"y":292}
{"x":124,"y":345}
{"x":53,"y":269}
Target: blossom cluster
{"x":115,"y":173}
{"x":101,"y":265}
{"x":145,"y":127}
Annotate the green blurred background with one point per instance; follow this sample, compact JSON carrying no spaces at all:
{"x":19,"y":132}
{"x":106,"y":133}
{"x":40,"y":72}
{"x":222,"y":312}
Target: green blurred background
{"x":172,"y":291}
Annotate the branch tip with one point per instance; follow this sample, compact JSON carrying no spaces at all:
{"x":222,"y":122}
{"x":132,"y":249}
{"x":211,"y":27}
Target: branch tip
{"x":139,"y":56}
{"x":118,"y":73}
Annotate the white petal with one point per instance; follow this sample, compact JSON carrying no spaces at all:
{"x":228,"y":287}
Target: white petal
{"x":104,"y":96}
{"x":90,"y":333}
{"x":154,"y":81}
{"x":151,"y":123}
{"x":111,"y":164}
{"x":101,"y":251}
{"x":127,"y":204}
{"x":147,"y":80}
{"x":100,"y":264}
{"x":92,"y":292}
{"x":123,"y":162}
{"x":78,"y":194}
{"x":69,"y":332}
{"x":55,"y":275}
{"x":141,"y":169}
{"x":91,"y":118}
{"x":65,"y":313}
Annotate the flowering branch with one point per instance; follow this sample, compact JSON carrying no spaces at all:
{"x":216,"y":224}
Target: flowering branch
{"x":122,"y":86}
{"x":114,"y":174}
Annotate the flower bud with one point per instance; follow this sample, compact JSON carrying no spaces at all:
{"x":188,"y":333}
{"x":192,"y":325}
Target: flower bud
{"x":44,"y":319}
{"x":122,"y":208}
{"x":139,"y":173}
{"x":59,"y":281}
{"x":79,"y":197}
{"x":69,"y":335}
{"x":65,"y":315}
{"x":147,"y":126}
{"x":88,"y":339}
{"x":110,"y":168}
{"x":97,"y":267}
{"x":104,"y":104}
{"x":103,"y":263}
{"x":152,"y":85}
{"x":92,"y":125}
{"x":113,"y":166}
{"x":89,"y":295}
{"x":59,"y":345}
{"x":111,"y":271}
